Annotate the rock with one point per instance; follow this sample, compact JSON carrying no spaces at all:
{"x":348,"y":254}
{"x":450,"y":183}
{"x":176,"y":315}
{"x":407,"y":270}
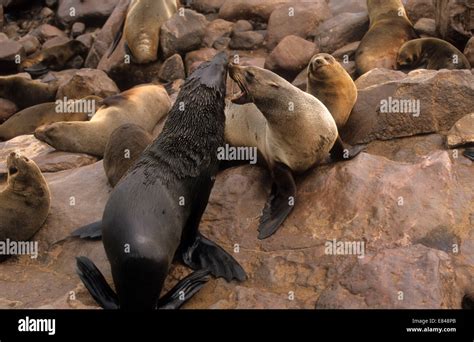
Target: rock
{"x":45,"y":32}
{"x":207,"y":6}
{"x":10,"y":52}
{"x":3,"y":37}
{"x":221,"y":43}
{"x":399,"y":278}
{"x":298,"y":19}
{"x":182,"y":33}
{"x":417,"y":9}
{"x":341,"y":30}
{"x":353,"y":6}
{"x":77,"y":29}
{"x":453,"y":21}
{"x":462,"y":133}
{"x":87,"y":82}
{"x":55,"y":42}
{"x":106,"y":35}
{"x":378,"y":76}
{"x":12,"y":30}
{"x":46,"y":12}
{"x":426,"y":27}
{"x":346,"y":52}
{"x":216,"y":29}
{"x":250,"y":9}
{"x":172,"y":69}
{"x":291,"y":56}
{"x":242,"y":26}
{"x":7,"y":109}
{"x":30,"y":44}
{"x":442,"y":98}
{"x":195,"y":58}
{"x":469,"y":51}
{"x":93,"y":13}
{"x":87,"y":39}
{"x":249,"y":40}
{"x":51,"y":3}
{"x":301,"y":80}
{"x":45,"y":156}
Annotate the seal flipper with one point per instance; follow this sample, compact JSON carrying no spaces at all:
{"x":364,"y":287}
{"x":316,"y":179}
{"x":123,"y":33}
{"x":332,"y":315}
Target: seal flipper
{"x":37,"y":70}
{"x":96,"y":284}
{"x":91,"y":231}
{"x":342,"y":151}
{"x":187,"y":286}
{"x":205,"y":254}
{"x":280,"y":202}
{"x":469,"y":153}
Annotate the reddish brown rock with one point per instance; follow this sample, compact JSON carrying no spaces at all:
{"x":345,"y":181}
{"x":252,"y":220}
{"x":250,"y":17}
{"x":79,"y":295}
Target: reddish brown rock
{"x":195,"y":58}
{"x":46,"y":32}
{"x":172,"y":69}
{"x":87,"y":82}
{"x":469,"y":51}
{"x":443,"y":97}
{"x":352,"y":6}
{"x":93,"y":13}
{"x":7,"y":109}
{"x":207,"y":6}
{"x":242,"y":26}
{"x":300,"y":19}
{"x":30,"y":43}
{"x":56,"y":41}
{"x":291,"y":56}
{"x":426,"y":27}
{"x":248,"y":40}
{"x":341,"y":30}
{"x":378,"y":76}
{"x":462,"y":133}
{"x":10,"y":52}
{"x":454,"y":21}
{"x":216,"y":29}
{"x":250,"y":9}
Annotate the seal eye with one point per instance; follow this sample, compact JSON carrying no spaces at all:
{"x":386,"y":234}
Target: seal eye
{"x":249,"y":76}
{"x":12,"y":170}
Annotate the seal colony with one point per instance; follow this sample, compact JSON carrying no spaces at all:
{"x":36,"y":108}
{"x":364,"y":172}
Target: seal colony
{"x":157,"y":207}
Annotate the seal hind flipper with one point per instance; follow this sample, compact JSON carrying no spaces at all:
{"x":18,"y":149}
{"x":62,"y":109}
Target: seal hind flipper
{"x":187,"y":286}
{"x":343,"y":151}
{"x":469,"y":153}
{"x":205,"y":254}
{"x":37,"y":70}
{"x":91,"y":231}
{"x":280,"y":202}
{"x":96,"y":284}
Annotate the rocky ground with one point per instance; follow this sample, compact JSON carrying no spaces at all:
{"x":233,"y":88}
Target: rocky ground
{"x":409,"y":197}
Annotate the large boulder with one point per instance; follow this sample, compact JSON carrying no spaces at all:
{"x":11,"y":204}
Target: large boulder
{"x":426,"y":101}
{"x":341,"y":30}
{"x":93,"y":13}
{"x":454,"y":21}
{"x":300,"y":19}
{"x":462,"y":133}
{"x":87,"y":82}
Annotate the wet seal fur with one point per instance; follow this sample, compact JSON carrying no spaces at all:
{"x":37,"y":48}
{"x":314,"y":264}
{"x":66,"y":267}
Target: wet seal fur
{"x":389,"y":29}
{"x":291,"y":129}
{"x":24,"y":202}
{"x":28,"y":120}
{"x":143,"y":105}
{"x":430,"y":53}
{"x":125,"y":145}
{"x":157,"y":207}
{"x":330,"y":83}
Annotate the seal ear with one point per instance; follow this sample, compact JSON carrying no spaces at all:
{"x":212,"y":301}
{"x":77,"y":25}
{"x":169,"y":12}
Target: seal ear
{"x":273,"y":84}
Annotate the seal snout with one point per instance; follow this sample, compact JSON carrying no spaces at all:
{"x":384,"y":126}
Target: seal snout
{"x":11,"y":163}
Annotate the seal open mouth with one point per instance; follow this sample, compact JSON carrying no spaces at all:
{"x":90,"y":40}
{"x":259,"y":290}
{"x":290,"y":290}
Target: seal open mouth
{"x":243,"y":96}
{"x":12,"y":170}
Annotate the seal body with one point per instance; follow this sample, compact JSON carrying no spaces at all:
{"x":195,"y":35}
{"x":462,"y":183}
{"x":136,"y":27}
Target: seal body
{"x":430,"y":53}
{"x":125,"y":145}
{"x":156,"y":208}
{"x":330,"y":83}
{"x":291,"y":129}
{"x":142,"y":27}
{"x":389,"y":29}
{"x":25,"y":201}
{"x":25,"y":92}
{"x":27,"y":120}
{"x":143,"y":105}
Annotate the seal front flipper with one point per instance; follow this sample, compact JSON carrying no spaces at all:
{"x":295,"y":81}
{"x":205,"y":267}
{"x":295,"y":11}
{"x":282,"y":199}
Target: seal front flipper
{"x":37,"y":70}
{"x":90,"y":231}
{"x":342,"y":151}
{"x":205,"y":254}
{"x":469,"y":153}
{"x":184,"y":290}
{"x":280,"y":202}
{"x":96,"y":284}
